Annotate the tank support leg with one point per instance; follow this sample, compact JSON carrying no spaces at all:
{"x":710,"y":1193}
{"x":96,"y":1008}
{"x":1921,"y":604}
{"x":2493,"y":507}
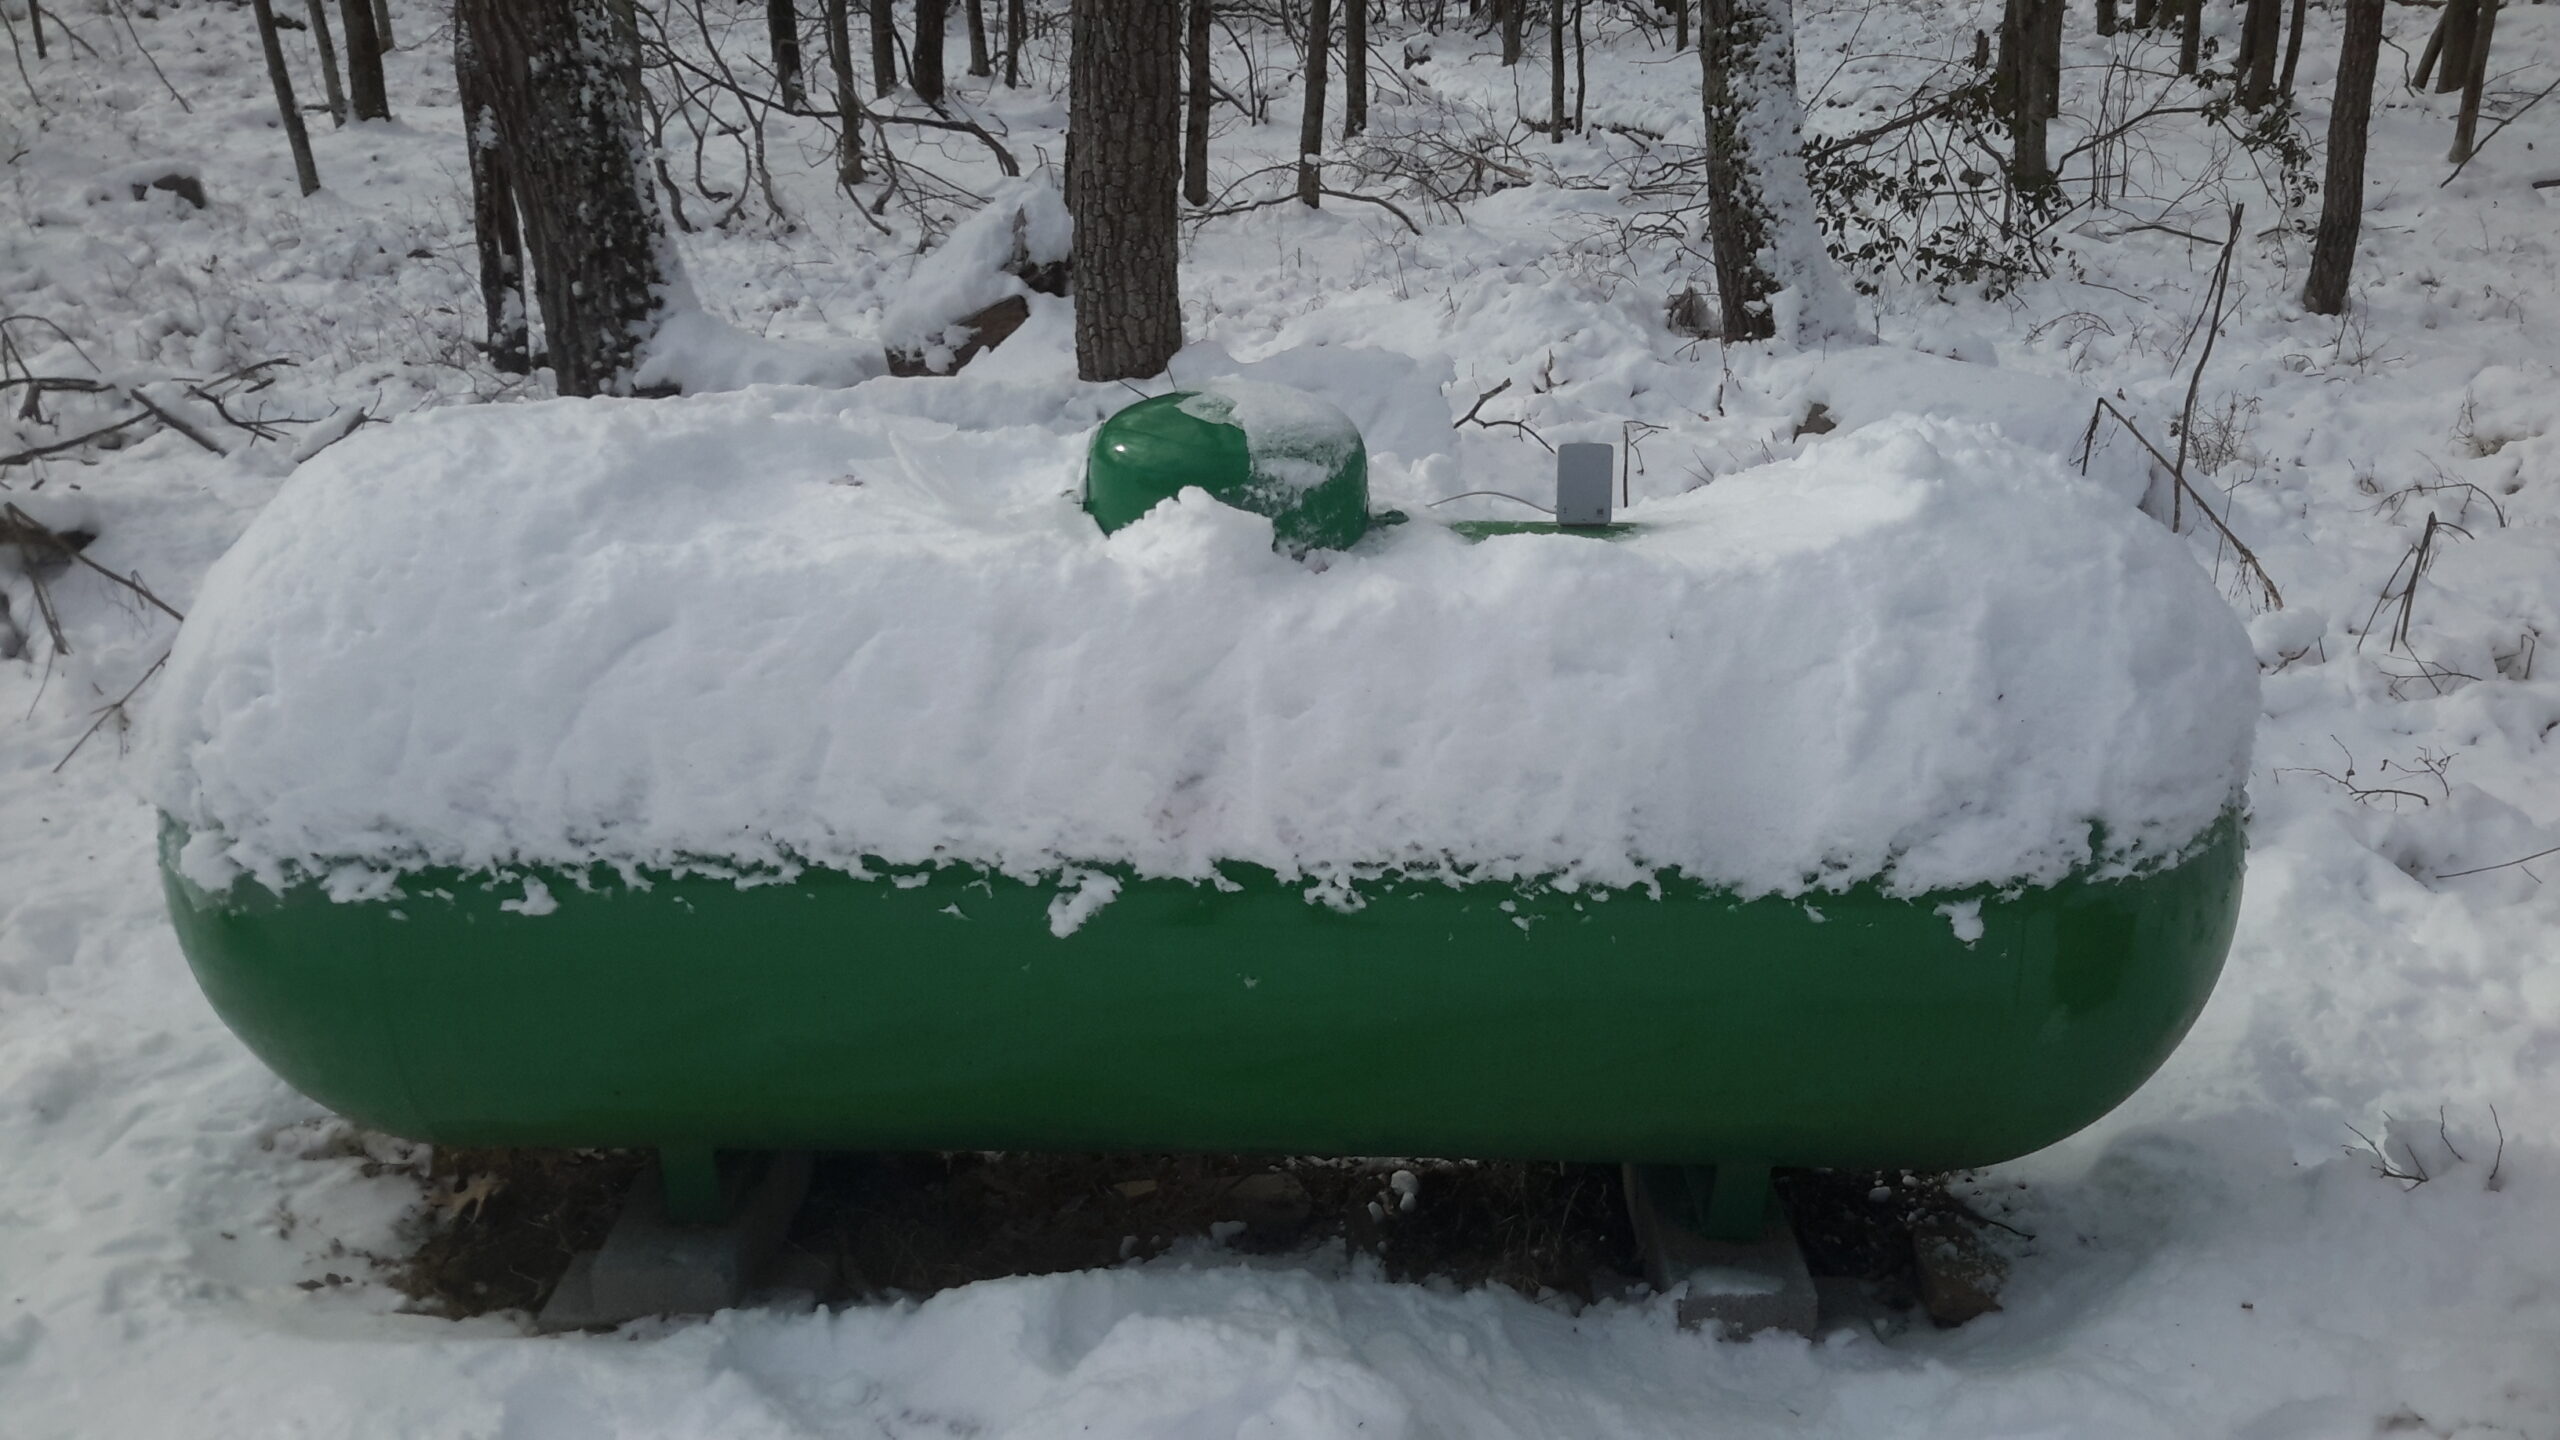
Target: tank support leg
{"x":690,"y":1177}
{"x":658,"y":1261}
{"x":1713,"y":1232}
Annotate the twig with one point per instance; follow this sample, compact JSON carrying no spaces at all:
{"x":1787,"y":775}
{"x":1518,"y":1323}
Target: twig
{"x":2501,"y":865}
{"x":75,"y":442}
{"x":1479,"y":405}
{"x":127,"y":17}
{"x":2493,"y":134}
{"x":2416,"y":1175}
{"x":2195,"y":381}
{"x":115,"y":707}
{"x":2500,"y":1158}
{"x":27,"y":526}
{"x":182,"y":426}
{"x":2248,"y":557}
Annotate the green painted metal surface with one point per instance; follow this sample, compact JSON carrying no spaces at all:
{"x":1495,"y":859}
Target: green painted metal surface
{"x":1478,"y":1020}
{"x":1148,"y":452}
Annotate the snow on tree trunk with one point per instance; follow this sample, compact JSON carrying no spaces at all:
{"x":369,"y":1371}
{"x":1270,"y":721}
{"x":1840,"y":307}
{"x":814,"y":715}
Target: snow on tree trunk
{"x":553,"y":98}
{"x":497,"y":238}
{"x":1773,"y":276}
{"x":1123,"y":189}
{"x":2333,"y":250}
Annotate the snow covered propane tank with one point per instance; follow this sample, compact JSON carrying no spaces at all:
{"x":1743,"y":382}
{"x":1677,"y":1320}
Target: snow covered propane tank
{"x":770,"y":787}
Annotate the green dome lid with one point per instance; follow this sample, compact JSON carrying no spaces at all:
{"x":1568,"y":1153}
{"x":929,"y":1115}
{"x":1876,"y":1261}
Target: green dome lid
{"x":1259,"y":447}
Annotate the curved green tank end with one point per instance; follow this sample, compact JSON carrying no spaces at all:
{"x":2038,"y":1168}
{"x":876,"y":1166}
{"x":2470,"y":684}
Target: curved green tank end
{"x":1149,"y":451}
{"x":1478,"y":1020}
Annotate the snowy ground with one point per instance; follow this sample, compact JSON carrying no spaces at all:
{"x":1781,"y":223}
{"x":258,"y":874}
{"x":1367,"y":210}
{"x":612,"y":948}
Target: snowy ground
{"x":2219,"y":1257}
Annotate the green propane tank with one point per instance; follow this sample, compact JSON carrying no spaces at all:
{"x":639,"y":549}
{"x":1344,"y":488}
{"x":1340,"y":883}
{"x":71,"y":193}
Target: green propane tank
{"x":1254,"y":445}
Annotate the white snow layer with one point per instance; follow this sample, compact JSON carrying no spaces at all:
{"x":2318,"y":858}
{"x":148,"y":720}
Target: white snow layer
{"x":777,"y":627}
{"x":1025,"y":220}
{"x":1294,"y":440}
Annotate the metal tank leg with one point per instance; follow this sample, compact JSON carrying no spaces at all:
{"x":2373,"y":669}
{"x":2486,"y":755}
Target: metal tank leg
{"x":1716,"y":1233}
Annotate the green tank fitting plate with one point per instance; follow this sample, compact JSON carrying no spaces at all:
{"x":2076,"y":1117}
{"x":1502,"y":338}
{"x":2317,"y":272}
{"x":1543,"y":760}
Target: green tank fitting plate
{"x":1258,"y":447}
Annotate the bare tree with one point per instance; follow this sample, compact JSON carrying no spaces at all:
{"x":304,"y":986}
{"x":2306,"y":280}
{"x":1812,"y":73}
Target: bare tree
{"x":498,"y":239}
{"x":2260,"y":22}
{"x":1511,"y":29}
{"x":2467,"y":121}
{"x":884,"y":47}
{"x":924,"y":57}
{"x":562,"y":122}
{"x":382,"y":25}
{"x":979,"y":64}
{"x":328,"y":62}
{"x":2190,"y":34}
{"x":849,"y":167}
{"x":1311,"y":118}
{"x":305,"y":170}
{"x":1555,"y":70}
{"x":1355,"y":68}
{"x":1014,"y":29}
{"x":2024,"y":84}
{"x":1679,"y":24}
{"x":2293,"y":48}
{"x":1761,"y":232}
{"x":1197,"y":96}
{"x":2333,"y":249}
{"x":782,"y":35}
{"x":365,"y":91}
{"x":1125,"y":112}
{"x":2451,"y":44}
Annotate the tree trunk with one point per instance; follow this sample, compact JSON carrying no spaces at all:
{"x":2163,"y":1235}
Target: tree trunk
{"x":2259,"y":23}
{"x":1773,"y":277}
{"x":365,"y":92}
{"x":35,"y":22}
{"x":1511,"y":30}
{"x":1195,"y":124}
{"x":1555,"y":70}
{"x":2293,"y":48}
{"x":1679,"y":25}
{"x":2023,"y":89}
{"x":1583,"y":78}
{"x":328,"y":62}
{"x":924,"y":58}
{"x":884,"y":47}
{"x":1311,"y":119}
{"x":305,"y":171}
{"x":2106,"y":17}
{"x":1014,"y":29}
{"x":2461,"y":20}
{"x":2146,"y":13}
{"x":782,"y":34}
{"x":2049,"y":14}
{"x":1355,"y":68}
{"x":2190,"y":34}
{"x":2333,"y":249}
{"x":849,"y":169}
{"x":2466,"y":123}
{"x":493,"y":216}
{"x":382,"y":25}
{"x":1125,"y":110}
{"x":979,"y":63}
{"x":602,"y":261}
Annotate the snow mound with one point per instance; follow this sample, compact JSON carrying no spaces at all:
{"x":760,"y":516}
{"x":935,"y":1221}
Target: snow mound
{"x":783,"y":627}
{"x":1023,"y":225}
